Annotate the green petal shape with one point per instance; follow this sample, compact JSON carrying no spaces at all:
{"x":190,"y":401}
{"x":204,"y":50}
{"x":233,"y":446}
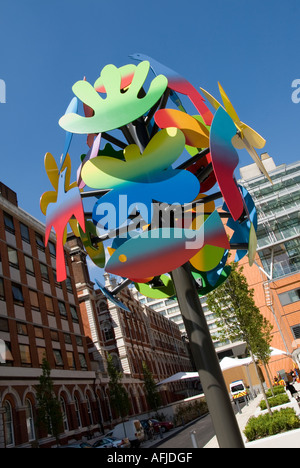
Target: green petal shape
{"x":117,"y":108}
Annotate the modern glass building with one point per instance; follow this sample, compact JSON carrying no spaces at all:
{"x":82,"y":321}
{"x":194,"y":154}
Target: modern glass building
{"x":277,"y":279}
{"x":278,"y":207}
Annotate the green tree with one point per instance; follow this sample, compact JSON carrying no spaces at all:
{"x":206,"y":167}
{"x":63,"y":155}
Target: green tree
{"x":152,"y":394}
{"x":119,"y":398}
{"x":238,"y":317}
{"x":49,"y":415}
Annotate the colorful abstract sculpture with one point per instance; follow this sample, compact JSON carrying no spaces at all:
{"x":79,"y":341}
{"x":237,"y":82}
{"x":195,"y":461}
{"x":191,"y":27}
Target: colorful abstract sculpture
{"x":155,"y":212}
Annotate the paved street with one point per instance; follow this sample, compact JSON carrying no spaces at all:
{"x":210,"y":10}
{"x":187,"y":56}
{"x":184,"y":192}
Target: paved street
{"x":204,"y":432}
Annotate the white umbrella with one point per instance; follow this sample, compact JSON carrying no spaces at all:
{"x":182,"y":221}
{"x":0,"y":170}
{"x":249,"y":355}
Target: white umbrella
{"x":179,"y":376}
{"x":229,"y":363}
{"x":277,"y":352}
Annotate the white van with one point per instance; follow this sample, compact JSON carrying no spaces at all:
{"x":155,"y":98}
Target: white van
{"x":133,"y":430}
{"x":238,"y":390}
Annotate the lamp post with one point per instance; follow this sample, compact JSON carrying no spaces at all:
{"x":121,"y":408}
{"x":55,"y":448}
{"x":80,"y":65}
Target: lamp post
{"x":206,"y":361}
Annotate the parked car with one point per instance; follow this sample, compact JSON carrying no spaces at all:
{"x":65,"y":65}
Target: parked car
{"x":118,"y":443}
{"x":103,"y":443}
{"x":77,"y":445}
{"x":165,"y":425}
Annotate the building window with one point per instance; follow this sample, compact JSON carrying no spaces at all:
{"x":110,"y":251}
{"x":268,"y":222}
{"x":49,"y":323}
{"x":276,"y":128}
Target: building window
{"x":24,"y":232}
{"x":78,"y":340}
{"x":74,"y":313}
{"x":49,"y":305}
{"x":89,"y":409}
{"x":29,"y":420}
{"x":22,"y":328}
{"x":17,"y":294}
{"x":289,"y":297}
{"x":69,"y":284}
{"x":9,"y":223}
{"x":68,"y":339}
{"x":54,"y":335}
{"x":6,"y":358}
{"x":2,"y":295}
{"x":70,"y":358}
{"x":296,"y":331}
{"x":62,"y":309}
{"x":38,"y":332}
{"x":13,"y":257}
{"x":41,"y":354}
{"x":8,"y":425}
{"x":34,"y":300}
{"x":82,"y":361}
{"x":25,"y":354}
{"x":64,"y":414}
{"x":39,"y":242}
{"x":29,"y":265}
{"x":44,"y":271}
{"x":4,"y":324}
{"x":52,"y":249}
{"x":58,"y":358}
{"x":77,"y":411}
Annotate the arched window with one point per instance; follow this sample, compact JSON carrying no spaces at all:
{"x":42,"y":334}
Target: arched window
{"x":89,"y":408}
{"x":64,"y":413}
{"x":77,"y":411}
{"x":8,"y":425}
{"x":29,"y":420}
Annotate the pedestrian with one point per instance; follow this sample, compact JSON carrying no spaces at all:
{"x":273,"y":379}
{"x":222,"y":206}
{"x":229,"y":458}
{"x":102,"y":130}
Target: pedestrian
{"x":290,"y":387}
{"x":293,"y":375}
{"x":151,"y":429}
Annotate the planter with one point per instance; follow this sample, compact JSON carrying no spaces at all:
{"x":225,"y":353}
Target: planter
{"x":289,"y":439}
{"x":292,"y":404}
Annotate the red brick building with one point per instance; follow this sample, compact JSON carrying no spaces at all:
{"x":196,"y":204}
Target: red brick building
{"x":130,"y":338}
{"x":38,"y":317}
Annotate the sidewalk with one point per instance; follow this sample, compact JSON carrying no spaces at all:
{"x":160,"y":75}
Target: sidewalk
{"x":242,"y":419}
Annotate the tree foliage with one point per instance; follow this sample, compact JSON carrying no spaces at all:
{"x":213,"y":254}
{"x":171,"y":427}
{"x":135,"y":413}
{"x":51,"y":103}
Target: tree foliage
{"x":152,"y":394}
{"x":119,"y":398}
{"x":49,"y":414}
{"x":238,"y":317}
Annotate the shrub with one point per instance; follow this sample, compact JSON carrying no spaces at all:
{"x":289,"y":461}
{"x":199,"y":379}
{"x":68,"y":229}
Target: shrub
{"x":189,"y":411}
{"x":275,"y":401}
{"x":276,"y":391}
{"x":270,"y":424}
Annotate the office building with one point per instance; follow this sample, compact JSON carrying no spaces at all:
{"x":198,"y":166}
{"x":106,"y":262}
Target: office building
{"x":276,"y":274}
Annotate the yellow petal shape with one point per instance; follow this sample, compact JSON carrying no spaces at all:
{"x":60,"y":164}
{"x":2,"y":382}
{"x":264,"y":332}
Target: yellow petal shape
{"x":228,"y":106}
{"x":211,"y":99}
{"x":254,"y":138}
{"x":46,"y":198}
{"x":51,"y":169}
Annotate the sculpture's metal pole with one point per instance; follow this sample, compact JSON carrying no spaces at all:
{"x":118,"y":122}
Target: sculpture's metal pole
{"x":206,"y":361}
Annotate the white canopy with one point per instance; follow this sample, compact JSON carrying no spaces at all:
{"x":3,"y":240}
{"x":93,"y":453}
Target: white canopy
{"x":226,"y":363}
{"x":277,"y":352}
{"x":229,"y":363}
{"x":180,"y":376}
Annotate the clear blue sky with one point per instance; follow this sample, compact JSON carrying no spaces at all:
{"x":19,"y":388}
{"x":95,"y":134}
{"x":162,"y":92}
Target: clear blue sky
{"x":251,"y":47}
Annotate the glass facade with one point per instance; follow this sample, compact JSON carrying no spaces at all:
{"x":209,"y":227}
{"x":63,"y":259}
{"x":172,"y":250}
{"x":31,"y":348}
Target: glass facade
{"x":278,"y":208}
